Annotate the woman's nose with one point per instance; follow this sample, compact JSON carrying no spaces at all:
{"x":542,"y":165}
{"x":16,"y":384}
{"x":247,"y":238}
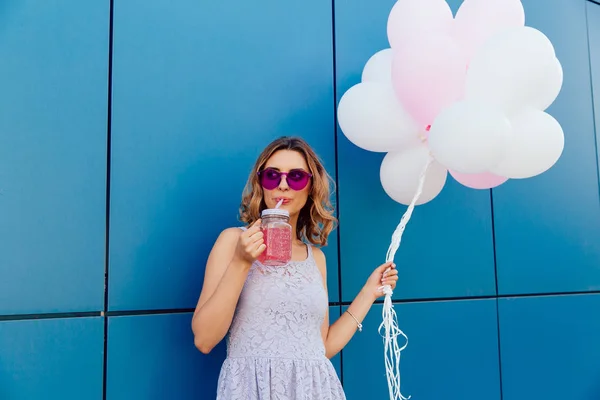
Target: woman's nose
{"x":283,"y":185}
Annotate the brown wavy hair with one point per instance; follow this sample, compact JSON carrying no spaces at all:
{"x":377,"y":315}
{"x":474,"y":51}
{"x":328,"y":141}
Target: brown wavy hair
{"x":316,"y":220}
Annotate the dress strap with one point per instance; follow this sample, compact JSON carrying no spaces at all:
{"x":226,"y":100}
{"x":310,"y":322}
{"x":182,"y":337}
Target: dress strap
{"x":310,"y":250}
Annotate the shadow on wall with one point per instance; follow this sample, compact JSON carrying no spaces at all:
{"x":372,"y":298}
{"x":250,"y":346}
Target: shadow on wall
{"x":594,"y":392}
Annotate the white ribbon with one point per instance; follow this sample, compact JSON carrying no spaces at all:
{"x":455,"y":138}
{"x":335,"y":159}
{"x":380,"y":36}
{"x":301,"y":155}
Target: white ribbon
{"x":390,"y":321}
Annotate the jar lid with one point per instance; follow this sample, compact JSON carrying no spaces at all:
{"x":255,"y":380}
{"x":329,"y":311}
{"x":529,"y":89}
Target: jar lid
{"x":275,"y":212}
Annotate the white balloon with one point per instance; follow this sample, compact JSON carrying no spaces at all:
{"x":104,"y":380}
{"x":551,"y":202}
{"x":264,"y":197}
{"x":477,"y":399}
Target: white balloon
{"x":408,"y":16}
{"x":400,"y":172}
{"x":379,"y":67}
{"x":515,"y":69}
{"x":470,"y":137}
{"x":478,"y":20}
{"x":373,"y":119}
{"x":548,"y":93}
{"x":537,"y":142}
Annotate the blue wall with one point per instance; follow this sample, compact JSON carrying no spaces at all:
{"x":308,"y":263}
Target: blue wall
{"x":126,"y":136}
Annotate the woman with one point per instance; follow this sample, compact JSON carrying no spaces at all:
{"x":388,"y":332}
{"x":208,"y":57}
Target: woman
{"x":280,"y":340}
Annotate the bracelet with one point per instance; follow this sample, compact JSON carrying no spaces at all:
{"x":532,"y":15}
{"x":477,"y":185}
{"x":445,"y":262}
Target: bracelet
{"x":357,"y":323}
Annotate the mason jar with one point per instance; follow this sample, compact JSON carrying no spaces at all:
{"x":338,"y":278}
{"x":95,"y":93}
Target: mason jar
{"x":277,"y":233}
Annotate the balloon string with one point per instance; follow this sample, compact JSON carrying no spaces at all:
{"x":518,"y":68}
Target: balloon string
{"x":397,"y":235}
{"x":390,"y":320}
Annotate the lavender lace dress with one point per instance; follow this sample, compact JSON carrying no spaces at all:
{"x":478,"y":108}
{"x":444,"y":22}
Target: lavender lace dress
{"x":274,"y":348}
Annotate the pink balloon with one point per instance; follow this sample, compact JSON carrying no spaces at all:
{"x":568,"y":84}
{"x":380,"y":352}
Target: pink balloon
{"x":428,"y":74}
{"x":485,"y":180}
{"x":477,"y":20}
{"x":408,"y":16}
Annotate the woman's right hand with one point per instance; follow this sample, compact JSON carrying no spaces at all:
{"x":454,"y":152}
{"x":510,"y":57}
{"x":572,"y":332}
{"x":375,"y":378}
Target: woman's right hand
{"x":251,"y":244}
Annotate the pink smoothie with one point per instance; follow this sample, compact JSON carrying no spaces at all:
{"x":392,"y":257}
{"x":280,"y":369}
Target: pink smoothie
{"x":279,"y":246}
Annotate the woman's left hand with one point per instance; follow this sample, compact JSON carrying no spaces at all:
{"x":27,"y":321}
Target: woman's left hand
{"x":381,"y":277}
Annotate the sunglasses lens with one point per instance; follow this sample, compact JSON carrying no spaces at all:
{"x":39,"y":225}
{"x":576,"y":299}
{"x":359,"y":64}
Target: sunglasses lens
{"x":297,"y":180}
{"x":269,"y":179}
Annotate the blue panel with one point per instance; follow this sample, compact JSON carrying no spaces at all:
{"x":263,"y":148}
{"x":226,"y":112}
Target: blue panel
{"x":452,"y":353}
{"x":550,"y":347}
{"x":199,"y":90}
{"x":153,"y":357}
{"x":334,"y":314}
{"x":593,"y":16}
{"x":53,"y":79}
{"x":146,"y":349}
{"x":331,"y":254}
{"x":447,"y":247}
{"x":548,"y":227}
{"x":51,"y":359}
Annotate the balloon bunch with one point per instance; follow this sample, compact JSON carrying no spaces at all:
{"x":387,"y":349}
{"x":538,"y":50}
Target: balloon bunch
{"x":469,"y":91}
{"x":464,"y":95}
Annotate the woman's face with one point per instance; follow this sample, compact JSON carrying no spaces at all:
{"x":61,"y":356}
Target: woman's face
{"x":286,"y":176}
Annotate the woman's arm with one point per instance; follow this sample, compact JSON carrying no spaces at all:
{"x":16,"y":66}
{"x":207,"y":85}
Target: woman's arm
{"x":337,"y":336}
{"x":342,"y":330}
{"x":226,"y":271}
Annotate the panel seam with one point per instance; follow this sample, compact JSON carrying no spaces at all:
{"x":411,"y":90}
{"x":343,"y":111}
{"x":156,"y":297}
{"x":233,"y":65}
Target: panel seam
{"x":587,"y":27}
{"x":107,"y":216}
{"x":130,"y":313}
{"x":57,"y":315}
{"x":495,"y":255}
{"x":337,"y":179}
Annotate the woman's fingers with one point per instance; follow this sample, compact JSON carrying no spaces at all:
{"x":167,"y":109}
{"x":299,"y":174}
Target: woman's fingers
{"x":254,"y":242}
{"x":388,"y":273}
{"x":389,"y":277}
{"x":389,"y":264}
{"x":258,"y":251}
{"x":251,"y":242}
{"x":252,"y":234}
{"x":257,"y":236}
{"x":391,"y":272}
{"x":253,"y":229}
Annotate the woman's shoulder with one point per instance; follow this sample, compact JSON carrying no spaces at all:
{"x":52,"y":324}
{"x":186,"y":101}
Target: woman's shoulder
{"x":230,"y":234}
{"x":317,"y":252}
{"x":234,"y":230}
{"x":319,"y":257}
